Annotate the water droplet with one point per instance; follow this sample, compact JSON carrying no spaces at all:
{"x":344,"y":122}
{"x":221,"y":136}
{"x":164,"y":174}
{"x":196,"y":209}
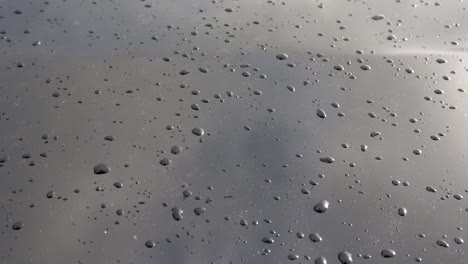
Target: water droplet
{"x":459,"y":240}
{"x":345,"y":257}
{"x":184,"y":72}
{"x":17,"y":225}
{"x":321,"y":113}
{"x":165,"y":162}
{"x":199,"y":210}
{"x":177,"y":213}
{"x":150,"y":244}
{"x":101,"y":168}
{"x":338,"y":67}
{"x":315,"y":237}
{"x":268,"y":240}
{"x":378,"y":17}
{"x":443,"y":243}
{"x":282,"y":56}
{"x":198,"y":131}
{"x":365,"y":67}
{"x":195,"y":107}
{"x":402,"y":211}
{"x":320,"y":260}
{"x":50,"y":194}
{"x":388,"y":253}
{"x":176,"y":150}
{"x":328,"y":160}
{"x":322,"y":206}
{"x":109,"y":138}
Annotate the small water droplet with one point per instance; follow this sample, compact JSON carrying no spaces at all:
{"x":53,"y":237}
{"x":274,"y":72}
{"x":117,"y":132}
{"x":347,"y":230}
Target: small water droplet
{"x":321,"y":113}
{"x":388,"y":253}
{"x":177,"y":213}
{"x":443,"y":243}
{"x":150,"y":244}
{"x":328,"y":160}
{"x":345,"y":257}
{"x":17,"y":225}
{"x":315,"y":237}
{"x":282,"y":56}
{"x":198,"y":131}
{"x":101,"y":168}
{"x":320,"y":260}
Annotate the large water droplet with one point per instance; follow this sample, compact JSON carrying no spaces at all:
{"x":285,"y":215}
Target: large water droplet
{"x":322,"y":206}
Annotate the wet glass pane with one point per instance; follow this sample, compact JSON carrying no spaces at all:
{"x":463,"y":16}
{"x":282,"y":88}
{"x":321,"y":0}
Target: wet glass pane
{"x":213,"y":131}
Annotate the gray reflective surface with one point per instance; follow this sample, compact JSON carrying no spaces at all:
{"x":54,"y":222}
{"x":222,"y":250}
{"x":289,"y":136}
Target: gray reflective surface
{"x":233,"y":132}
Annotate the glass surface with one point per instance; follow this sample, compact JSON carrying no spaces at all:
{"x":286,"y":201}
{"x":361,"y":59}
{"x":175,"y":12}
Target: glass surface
{"x":233,"y":131}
